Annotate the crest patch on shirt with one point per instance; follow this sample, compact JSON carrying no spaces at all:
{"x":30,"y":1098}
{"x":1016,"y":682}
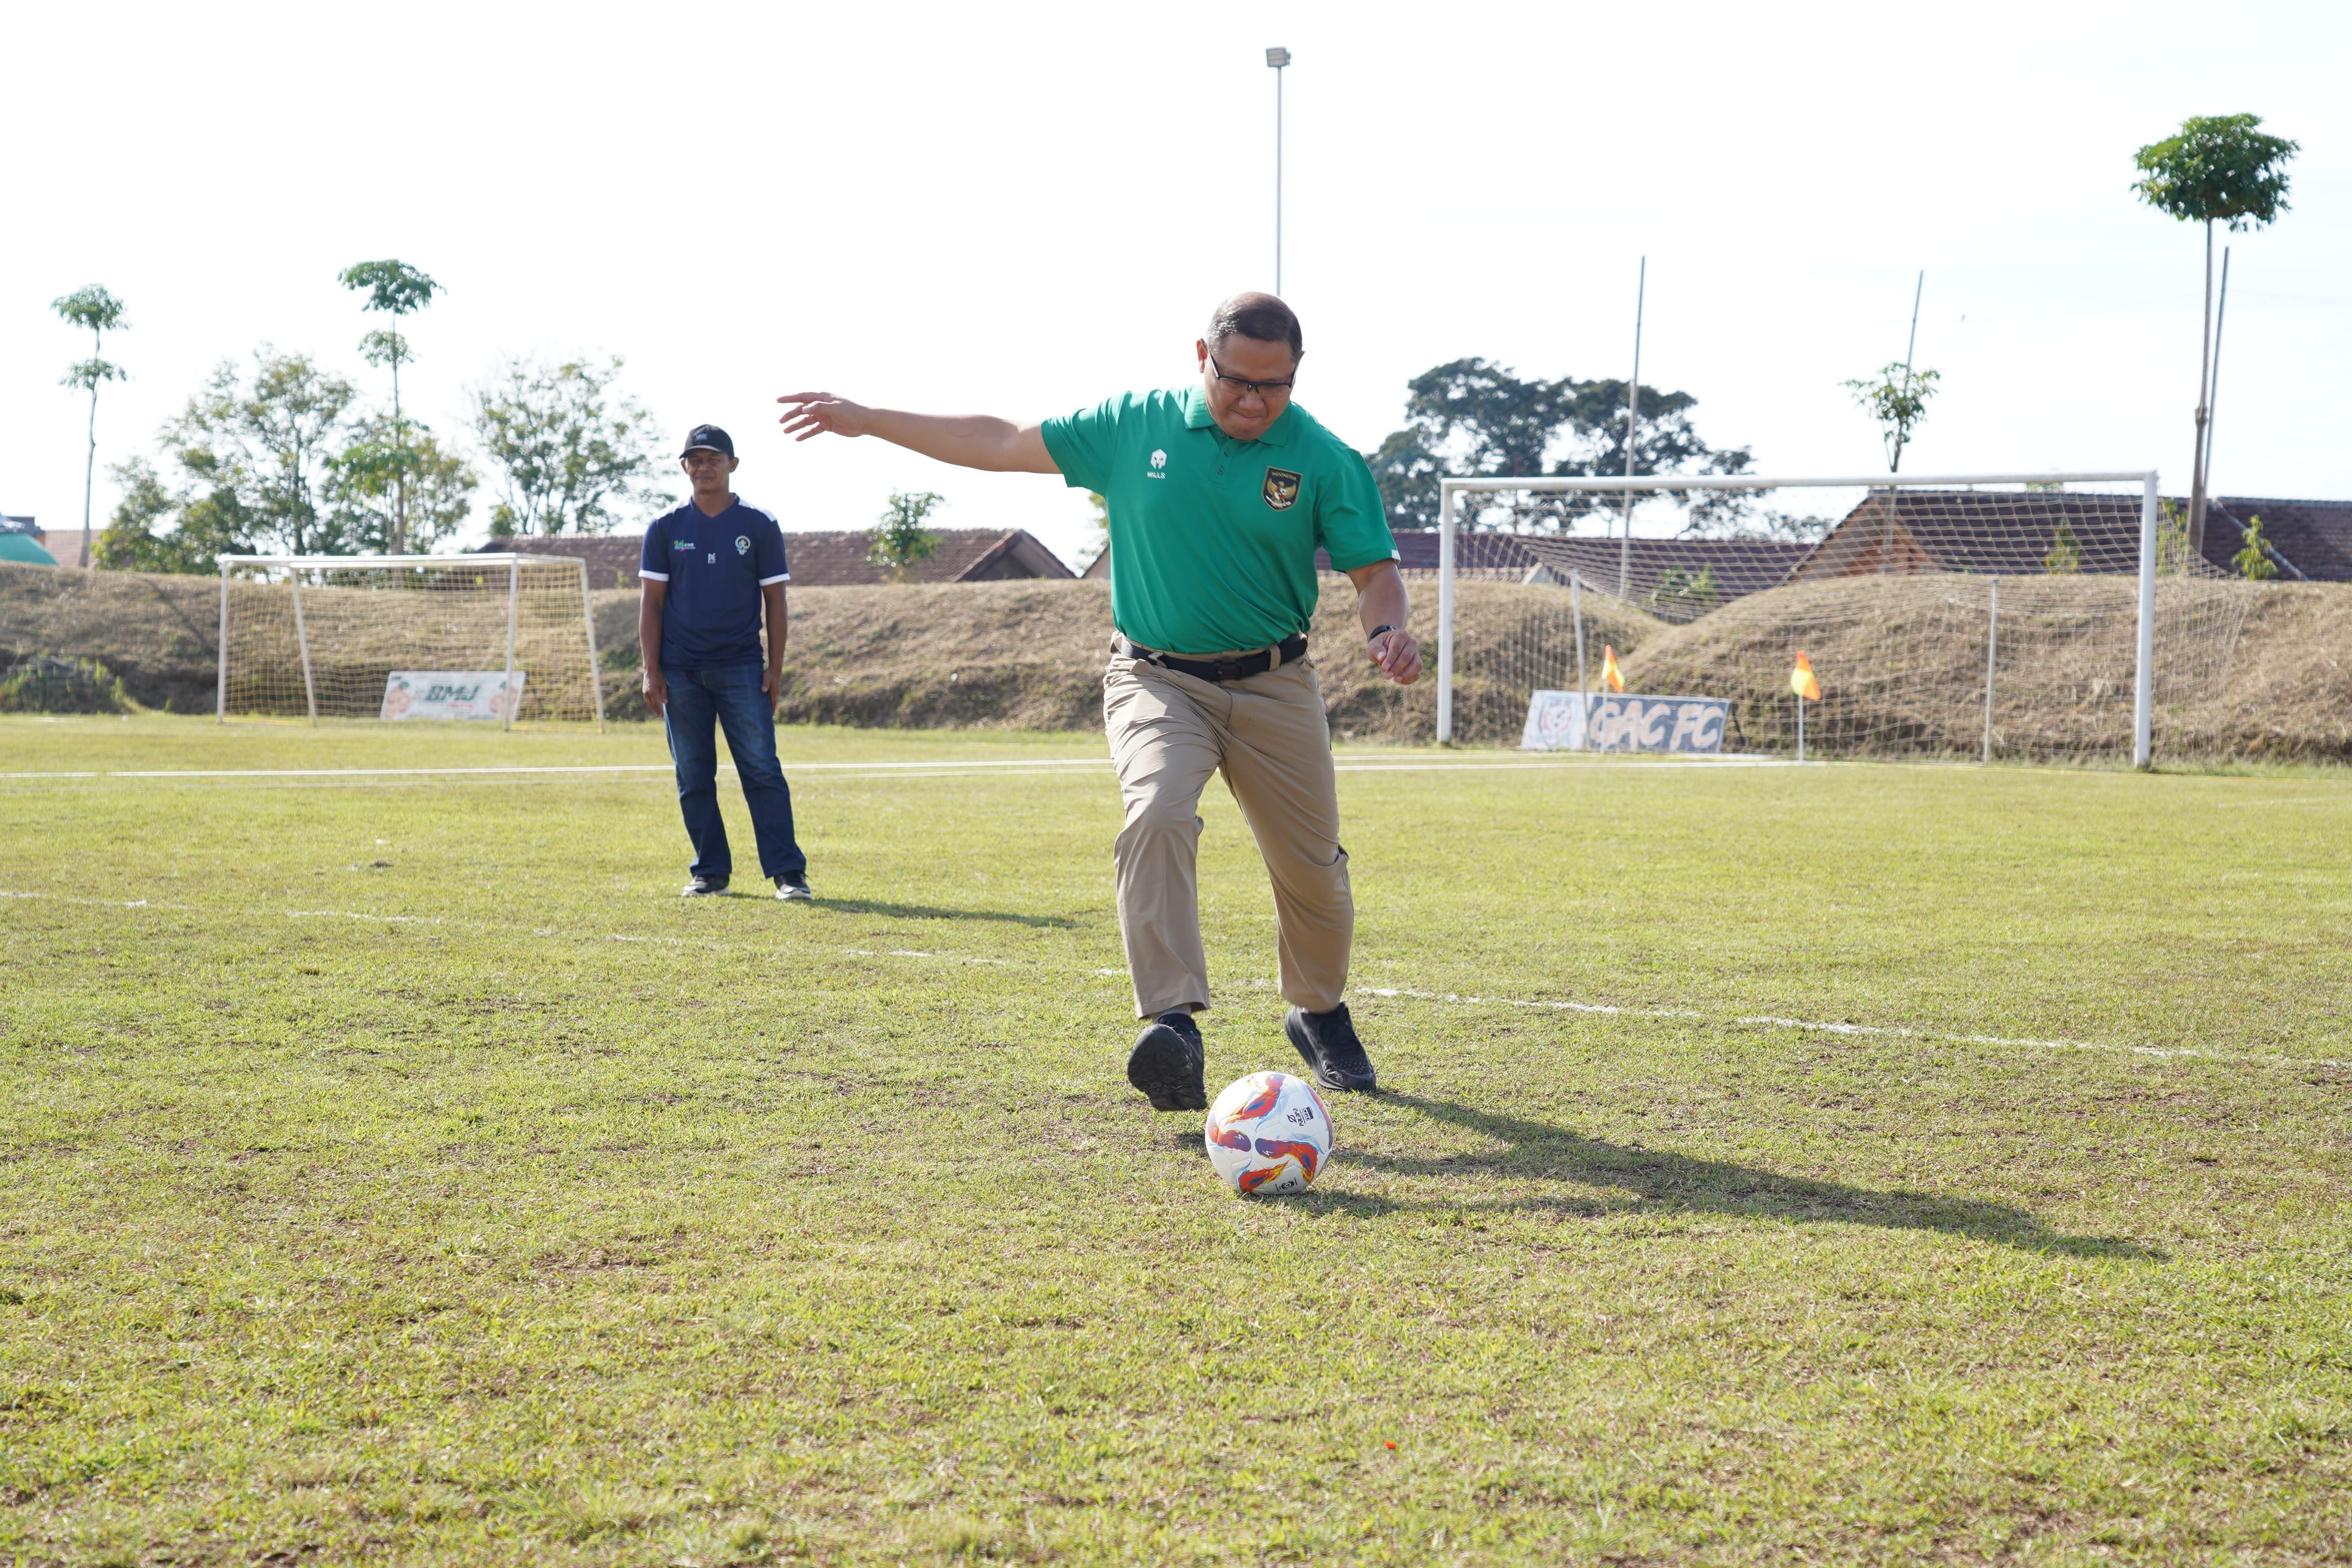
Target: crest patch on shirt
{"x":1281,"y":489}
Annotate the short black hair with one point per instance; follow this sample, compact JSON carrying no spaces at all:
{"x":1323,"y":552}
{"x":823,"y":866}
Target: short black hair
{"x":1261,"y":317}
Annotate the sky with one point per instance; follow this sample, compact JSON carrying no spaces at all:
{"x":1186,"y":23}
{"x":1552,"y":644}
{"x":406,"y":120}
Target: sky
{"x":1020,"y":209}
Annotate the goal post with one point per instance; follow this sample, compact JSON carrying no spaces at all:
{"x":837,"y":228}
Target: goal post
{"x":504,"y":637}
{"x":1900,"y":575}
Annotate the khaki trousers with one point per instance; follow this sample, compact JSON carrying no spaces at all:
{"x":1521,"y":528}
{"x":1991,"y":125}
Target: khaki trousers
{"x":1268,"y":736}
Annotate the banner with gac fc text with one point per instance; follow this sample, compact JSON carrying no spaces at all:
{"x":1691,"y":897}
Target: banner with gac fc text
{"x":1608,"y":721}
{"x":450,"y":694}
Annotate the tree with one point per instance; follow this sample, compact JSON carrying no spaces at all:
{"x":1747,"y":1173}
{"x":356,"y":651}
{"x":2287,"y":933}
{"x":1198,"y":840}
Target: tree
{"x":2218,"y":168}
{"x":1097,"y":539}
{"x":100,"y":312}
{"x":207,"y":527}
{"x":1898,"y":399}
{"x":387,"y":468}
{"x":265,"y":450}
{"x":1471,"y":417}
{"x":398,"y":290}
{"x":2253,"y":561}
{"x":899,"y":540}
{"x":567,"y":458}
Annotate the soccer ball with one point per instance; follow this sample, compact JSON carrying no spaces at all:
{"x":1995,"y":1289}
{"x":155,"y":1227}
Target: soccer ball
{"x":1268,"y":1132}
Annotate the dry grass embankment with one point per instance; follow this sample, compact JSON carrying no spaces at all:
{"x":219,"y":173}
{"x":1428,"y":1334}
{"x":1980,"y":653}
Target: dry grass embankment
{"x":2253,"y":672}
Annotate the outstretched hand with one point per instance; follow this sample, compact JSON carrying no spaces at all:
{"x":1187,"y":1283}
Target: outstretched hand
{"x":814,"y":413}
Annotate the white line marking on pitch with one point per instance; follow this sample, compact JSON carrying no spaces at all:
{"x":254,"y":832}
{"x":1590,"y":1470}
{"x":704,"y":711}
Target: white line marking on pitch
{"x":1453,"y":998}
{"x":937,"y":768}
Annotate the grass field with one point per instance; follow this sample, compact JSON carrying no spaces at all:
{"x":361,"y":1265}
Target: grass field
{"x":1850,"y":1164}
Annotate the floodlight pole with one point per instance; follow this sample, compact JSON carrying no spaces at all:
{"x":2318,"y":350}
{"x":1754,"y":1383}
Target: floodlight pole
{"x":1277,"y":59}
{"x":1632,"y":426}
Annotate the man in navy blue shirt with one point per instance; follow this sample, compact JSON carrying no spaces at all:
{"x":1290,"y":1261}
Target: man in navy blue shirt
{"x":708,"y":569}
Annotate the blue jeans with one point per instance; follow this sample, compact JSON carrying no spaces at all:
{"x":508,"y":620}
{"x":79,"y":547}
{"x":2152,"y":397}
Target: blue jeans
{"x":731,"y":696}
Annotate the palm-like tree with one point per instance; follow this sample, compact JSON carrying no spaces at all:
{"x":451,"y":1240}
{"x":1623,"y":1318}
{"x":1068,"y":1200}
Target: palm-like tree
{"x":100,"y":312}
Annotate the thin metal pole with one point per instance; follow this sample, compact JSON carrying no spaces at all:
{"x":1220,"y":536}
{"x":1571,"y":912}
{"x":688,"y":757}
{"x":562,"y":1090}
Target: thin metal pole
{"x":220,"y":655}
{"x":1992,"y":642}
{"x":2213,"y":386}
{"x":302,"y":641}
{"x":1632,"y":429}
{"x":1583,"y":702}
{"x":588,"y":619}
{"x":1278,"y":179}
{"x":2144,"y":674}
{"x":2204,"y":382}
{"x":514,"y":584}
{"x":1910,"y":347}
{"x":1895,"y":457}
{"x":1444,"y":611}
{"x":1801,"y":726}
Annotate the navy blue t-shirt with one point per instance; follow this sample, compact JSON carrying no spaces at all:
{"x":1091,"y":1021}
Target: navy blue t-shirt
{"x":715,"y":568}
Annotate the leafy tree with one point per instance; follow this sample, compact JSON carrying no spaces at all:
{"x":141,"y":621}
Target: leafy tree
{"x":1097,"y":539}
{"x":393,"y":464}
{"x":269,"y":445}
{"x":2253,"y":561}
{"x":568,"y":455}
{"x":2218,"y":168}
{"x":99,"y":312}
{"x":206,"y":527}
{"x":1898,"y":399}
{"x":398,"y":290}
{"x":2065,"y":555}
{"x":899,"y":540}
{"x":1471,"y":417}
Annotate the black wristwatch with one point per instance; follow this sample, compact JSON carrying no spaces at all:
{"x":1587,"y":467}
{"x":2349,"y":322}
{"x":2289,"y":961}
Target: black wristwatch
{"x":1375,"y":631}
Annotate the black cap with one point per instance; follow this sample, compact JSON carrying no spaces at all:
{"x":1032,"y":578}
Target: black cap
{"x":709,"y":438}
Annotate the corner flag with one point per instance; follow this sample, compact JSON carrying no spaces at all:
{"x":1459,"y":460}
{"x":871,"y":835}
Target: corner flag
{"x":1609,"y":676}
{"x":1802,"y":681}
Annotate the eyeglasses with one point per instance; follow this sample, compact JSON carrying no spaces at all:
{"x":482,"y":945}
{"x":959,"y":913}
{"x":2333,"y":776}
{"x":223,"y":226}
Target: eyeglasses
{"x":1263,"y":388}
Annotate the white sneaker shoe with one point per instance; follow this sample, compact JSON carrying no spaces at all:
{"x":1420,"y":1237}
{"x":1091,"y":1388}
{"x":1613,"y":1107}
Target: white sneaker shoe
{"x":794,"y":889}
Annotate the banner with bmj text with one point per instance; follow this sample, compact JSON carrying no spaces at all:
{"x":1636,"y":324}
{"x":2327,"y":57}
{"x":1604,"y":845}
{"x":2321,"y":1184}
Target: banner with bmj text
{"x":1611,"y":721}
{"x":450,"y":694}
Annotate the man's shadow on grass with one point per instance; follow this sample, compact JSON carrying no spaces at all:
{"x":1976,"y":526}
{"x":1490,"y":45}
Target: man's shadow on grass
{"x":1676,"y":1184}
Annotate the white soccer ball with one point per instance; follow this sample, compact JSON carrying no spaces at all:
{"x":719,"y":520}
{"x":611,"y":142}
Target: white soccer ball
{"x":1269,"y":1133}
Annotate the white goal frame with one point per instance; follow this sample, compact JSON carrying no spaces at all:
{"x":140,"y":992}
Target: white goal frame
{"x":513,"y":562}
{"x":2144,"y":663}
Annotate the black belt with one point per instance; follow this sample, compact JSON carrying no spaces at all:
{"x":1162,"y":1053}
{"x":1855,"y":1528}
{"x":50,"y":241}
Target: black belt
{"x":1240,"y":667}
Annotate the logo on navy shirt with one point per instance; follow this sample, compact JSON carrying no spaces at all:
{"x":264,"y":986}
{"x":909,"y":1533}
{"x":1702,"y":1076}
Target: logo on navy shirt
{"x":742,"y":544}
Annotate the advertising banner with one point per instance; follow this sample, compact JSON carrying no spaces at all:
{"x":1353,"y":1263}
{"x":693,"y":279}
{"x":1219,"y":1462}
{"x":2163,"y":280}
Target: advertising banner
{"x":1609,"y":721}
{"x":450,"y":694}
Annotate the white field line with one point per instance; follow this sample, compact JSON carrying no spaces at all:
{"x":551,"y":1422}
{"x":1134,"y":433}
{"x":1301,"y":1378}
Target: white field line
{"x":941,"y":768}
{"x":1393,"y":993}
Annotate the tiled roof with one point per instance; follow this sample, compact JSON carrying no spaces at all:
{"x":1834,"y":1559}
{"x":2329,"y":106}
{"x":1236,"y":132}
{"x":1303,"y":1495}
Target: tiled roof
{"x":2310,"y":539}
{"x":1732,"y":567}
{"x":826,"y":559}
{"x":2011,"y":532}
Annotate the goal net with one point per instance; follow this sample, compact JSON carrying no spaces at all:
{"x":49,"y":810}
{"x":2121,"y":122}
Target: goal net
{"x":504,"y":637}
{"x":2053,"y":616}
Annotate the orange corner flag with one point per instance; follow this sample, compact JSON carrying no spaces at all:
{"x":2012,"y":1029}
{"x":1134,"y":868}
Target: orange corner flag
{"x":1609,"y":676}
{"x":1801,"y":680}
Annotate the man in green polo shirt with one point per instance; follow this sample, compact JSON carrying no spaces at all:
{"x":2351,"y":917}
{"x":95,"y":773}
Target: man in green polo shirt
{"x":1220,"y":492}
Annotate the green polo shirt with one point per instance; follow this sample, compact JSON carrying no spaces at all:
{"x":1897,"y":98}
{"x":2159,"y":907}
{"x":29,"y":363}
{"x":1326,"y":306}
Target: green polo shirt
{"x":1213,"y":540}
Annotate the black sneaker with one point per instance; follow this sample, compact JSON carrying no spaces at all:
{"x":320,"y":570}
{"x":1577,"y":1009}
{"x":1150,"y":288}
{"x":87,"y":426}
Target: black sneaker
{"x":1327,"y":1041}
{"x":794,"y":888}
{"x":703,"y":887}
{"x":1166,"y":1064}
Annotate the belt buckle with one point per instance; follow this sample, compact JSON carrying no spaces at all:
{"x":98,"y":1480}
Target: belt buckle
{"x":1228,"y":669}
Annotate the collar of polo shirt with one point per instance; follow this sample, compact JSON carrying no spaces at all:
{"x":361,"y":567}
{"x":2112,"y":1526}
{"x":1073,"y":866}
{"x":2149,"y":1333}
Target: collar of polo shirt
{"x":1197,"y":416}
